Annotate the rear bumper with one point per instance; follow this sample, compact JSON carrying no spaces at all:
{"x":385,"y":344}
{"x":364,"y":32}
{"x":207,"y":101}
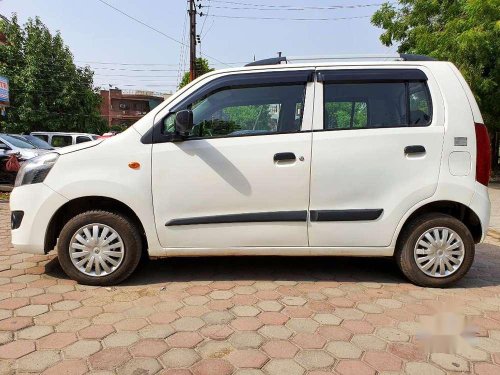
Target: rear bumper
{"x":481,"y":205}
{"x":38,"y":203}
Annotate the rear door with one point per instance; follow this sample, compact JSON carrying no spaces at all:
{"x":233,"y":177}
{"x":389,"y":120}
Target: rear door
{"x":241,"y":178}
{"x":376,"y":153}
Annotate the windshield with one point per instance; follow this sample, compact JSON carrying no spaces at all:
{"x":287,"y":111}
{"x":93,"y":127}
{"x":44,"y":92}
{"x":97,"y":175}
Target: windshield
{"x":35,"y":141}
{"x":16,"y":142}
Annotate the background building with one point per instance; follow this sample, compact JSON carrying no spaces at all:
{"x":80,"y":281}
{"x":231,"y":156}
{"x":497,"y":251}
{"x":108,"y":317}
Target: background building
{"x":124,"y":107}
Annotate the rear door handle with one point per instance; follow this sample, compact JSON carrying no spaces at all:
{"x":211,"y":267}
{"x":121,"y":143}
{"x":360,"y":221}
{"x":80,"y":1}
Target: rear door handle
{"x":284,"y":156}
{"x":415,"y":149}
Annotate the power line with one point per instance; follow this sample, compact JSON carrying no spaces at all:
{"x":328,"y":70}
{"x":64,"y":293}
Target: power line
{"x":288,"y":19}
{"x":146,"y":85}
{"x":137,"y":70}
{"x":305,"y":8}
{"x":183,"y":48}
{"x":204,"y":20}
{"x":142,"y":64}
{"x":133,"y":76}
{"x":295,"y":7}
{"x":120,"y":63}
{"x":150,"y":27}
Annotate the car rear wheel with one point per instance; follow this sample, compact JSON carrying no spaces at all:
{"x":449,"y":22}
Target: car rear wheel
{"x":99,"y":248}
{"x":435,"y":250}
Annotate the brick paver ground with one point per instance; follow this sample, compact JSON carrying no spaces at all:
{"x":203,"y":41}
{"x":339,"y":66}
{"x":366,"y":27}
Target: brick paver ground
{"x":248,"y":316}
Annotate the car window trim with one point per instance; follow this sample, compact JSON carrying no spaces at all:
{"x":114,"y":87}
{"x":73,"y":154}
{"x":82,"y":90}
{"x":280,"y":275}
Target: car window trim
{"x":282,"y":78}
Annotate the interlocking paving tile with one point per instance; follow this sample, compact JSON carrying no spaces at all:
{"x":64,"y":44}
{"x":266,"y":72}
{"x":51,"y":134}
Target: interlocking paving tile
{"x":184,"y":340}
{"x":38,"y":361}
{"x":16,"y":349}
{"x":246,"y":340}
{"x":213,"y":367}
{"x":450,"y":362}
{"x":178,"y":357}
{"x":280,"y":349}
{"x":283,"y":367}
{"x":419,"y":368}
{"x":140,"y":366}
{"x":82,"y":349}
{"x":355,"y":367}
{"x":343,"y":349}
{"x":70,"y":366}
{"x":314,"y":359}
{"x":247,"y":358}
{"x":109,"y":359}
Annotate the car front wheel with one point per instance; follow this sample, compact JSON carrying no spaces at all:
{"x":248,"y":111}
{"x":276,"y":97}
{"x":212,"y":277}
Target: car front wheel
{"x":99,"y":248}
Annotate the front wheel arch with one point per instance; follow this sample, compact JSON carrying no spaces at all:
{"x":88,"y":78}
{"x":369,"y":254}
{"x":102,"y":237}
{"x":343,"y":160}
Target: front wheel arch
{"x":77,"y":206}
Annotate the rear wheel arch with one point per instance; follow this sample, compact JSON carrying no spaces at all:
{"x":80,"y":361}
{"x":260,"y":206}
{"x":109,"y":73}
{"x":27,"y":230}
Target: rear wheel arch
{"x":455,"y":209}
{"x":77,"y":206}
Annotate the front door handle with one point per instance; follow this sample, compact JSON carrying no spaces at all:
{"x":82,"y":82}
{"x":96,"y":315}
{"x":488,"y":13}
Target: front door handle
{"x":415,"y":149}
{"x":284,"y":156}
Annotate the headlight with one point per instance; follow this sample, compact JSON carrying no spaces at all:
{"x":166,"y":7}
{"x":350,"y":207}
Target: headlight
{"x":36,"y":169}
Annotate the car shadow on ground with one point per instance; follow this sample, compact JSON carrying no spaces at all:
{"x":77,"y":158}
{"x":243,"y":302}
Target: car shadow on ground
{"x":484,"y":271}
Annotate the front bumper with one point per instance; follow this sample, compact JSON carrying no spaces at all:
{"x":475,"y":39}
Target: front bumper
{"x":39,"y":203}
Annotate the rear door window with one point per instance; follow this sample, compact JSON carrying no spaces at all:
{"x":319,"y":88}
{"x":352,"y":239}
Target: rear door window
{"x":82,"y":138}
{"x":346,"y":114}
{"x":62,"y":140}
{"x":349,"y":105}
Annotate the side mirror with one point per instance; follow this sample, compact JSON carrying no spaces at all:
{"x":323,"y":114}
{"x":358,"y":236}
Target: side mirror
{"x":3,"y":146}
{"x":183,"y":121}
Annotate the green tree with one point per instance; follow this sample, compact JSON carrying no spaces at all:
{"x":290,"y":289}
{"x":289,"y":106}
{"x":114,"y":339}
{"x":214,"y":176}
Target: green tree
{"x":202,"y":67}
{"x":47,"y":91}
{"x":465,"y":32}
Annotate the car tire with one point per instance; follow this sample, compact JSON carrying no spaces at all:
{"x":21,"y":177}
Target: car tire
{"x":116,"y":245}
{"x":419,"y":243}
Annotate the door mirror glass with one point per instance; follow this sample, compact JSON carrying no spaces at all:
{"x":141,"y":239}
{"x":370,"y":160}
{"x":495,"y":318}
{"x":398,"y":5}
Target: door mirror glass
{"x":184,"y":122}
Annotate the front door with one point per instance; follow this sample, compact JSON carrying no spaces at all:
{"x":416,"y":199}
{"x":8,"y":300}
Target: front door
{"x":241,"y":177}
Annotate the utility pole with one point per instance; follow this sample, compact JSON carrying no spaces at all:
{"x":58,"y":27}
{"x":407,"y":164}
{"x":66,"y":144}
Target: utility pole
{"x":192,"y":40}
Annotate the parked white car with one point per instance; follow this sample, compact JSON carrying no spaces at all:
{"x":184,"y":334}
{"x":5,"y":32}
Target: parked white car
{"x":62,"y":139}
{"x":10,"y":143}
{"x":380,"y":158}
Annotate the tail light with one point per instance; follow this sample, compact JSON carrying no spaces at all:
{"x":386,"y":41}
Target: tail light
{"x":483,"y":161}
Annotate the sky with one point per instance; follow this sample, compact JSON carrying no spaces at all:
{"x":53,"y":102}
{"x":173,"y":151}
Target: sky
{"x":109,"y":41}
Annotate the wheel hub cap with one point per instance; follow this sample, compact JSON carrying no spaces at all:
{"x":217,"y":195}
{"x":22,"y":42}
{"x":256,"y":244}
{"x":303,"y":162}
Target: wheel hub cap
{"x":439,"y":252}
{"x":96,"y":250}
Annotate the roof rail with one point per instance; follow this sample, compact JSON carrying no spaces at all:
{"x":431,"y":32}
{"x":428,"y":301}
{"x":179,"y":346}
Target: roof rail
{"x":271,"y":61}
{"x":299,"y":59}
{"x":413,"y":57}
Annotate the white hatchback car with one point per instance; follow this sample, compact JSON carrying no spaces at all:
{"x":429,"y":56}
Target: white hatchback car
{"x":377,"y":158}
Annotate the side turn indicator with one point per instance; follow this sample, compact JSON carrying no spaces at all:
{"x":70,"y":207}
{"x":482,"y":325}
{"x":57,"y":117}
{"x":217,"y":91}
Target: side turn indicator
{"x":134,"y":165}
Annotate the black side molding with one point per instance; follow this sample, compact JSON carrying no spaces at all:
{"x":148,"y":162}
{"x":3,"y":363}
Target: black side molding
{"x":346,"y":215}
{"x":254,"y":217}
